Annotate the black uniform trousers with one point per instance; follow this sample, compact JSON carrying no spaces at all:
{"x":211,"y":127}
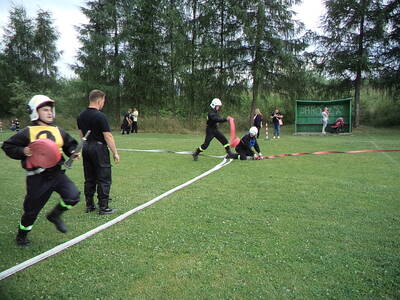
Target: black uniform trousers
{"x":97,"y":171}
{"x":134,"y":127}
{"x":243,"y":152}
{"x":210,"y":134}
{"x":39,"y":189}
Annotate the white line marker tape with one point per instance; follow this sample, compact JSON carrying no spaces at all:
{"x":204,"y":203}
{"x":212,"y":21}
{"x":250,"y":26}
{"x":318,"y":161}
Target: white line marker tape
{"x":88,"y":234}
{"x":386,"y":154}
{"x":168,"y":151}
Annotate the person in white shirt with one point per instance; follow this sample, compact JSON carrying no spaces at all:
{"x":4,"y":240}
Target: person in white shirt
{"x":135,"y":115}
{"x":325,"y":119}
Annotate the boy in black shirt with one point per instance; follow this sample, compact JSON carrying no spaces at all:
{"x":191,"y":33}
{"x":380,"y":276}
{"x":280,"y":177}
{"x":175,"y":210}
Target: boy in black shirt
{"x":212,"y":131}
{"x":42,"y":182}
{"x":249,"y":141}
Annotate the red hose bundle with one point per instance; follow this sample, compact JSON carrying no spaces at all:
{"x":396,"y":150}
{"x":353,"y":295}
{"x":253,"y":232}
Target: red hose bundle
{"x":45,"y":154}
{"x":234,"y":140}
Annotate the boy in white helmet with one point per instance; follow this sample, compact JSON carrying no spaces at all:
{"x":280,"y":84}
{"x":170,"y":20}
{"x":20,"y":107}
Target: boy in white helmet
{"x":246,"y":145}
{"x":41,"y":181}
{"x":212,"y":131}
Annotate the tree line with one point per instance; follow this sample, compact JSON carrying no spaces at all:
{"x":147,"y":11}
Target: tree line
{"x":172,"y":57}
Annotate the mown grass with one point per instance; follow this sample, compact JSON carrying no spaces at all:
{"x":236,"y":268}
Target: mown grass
{"x":307,"y":227}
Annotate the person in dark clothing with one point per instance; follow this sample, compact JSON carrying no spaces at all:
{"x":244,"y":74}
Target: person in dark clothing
{"x":127,"y":122}
{"x":212,"y":131}
{"x":42,"y":182}
{"x":17,"y":124}
{"x":276,"y":118}
{"x":246,"y":145}
{"x":95,"y":153}
{"x":257,"y":121}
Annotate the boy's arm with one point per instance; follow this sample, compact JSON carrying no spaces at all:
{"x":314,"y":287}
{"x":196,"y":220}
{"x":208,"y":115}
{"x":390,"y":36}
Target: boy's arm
{"x":69,"y":143}
{"x":216,"y":118}
{"x":15,"y":145}
{"x":257,"y":148}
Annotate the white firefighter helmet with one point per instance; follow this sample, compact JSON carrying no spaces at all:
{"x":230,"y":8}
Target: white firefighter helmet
{"x":215,"y":102}
{"x":36,"y":102}
{"x":253,"y":131}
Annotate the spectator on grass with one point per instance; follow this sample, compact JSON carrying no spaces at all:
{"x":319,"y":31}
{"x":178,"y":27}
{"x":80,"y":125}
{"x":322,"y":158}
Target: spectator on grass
{"x":127,"y":122}
{"x":257,"y":121}
{"x":96,"y":154}
{"x":277,"y":117}
{"x":42,"y":181}
{"x":325,"y":119}
{"x":134,"y":117}
{"x":12,"y":125}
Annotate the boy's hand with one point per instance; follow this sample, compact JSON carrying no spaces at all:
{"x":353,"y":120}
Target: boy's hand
{"x":76,"y":156}
{"x":28,"y":151}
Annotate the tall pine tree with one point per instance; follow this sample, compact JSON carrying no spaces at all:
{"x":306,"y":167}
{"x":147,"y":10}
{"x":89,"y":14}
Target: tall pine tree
{"x":45,"y":38}
{"x":270,"y":44}
{"x":352,"y":31}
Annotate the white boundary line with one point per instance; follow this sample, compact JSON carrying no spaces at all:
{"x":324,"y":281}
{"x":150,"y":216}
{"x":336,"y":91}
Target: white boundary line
{"x":168,"y":151}
{"x":387,"y":155}
{"x":88,"y":234}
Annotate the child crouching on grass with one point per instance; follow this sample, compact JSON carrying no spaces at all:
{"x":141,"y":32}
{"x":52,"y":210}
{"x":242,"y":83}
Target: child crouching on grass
{"x":247,"y":143}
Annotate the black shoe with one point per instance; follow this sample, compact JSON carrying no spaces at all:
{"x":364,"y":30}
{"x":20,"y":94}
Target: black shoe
{"x":22,"y":241}
{"x":58,"y":223}
{"x":195,"y":156}
{"x":90,"y":208}
{"x":106,"y":211}
{"x":231,"y":155}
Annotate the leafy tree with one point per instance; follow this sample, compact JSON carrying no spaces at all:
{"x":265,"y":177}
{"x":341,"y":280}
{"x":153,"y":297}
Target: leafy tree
{"x":21,"y":91}
{"x":5,"y":91}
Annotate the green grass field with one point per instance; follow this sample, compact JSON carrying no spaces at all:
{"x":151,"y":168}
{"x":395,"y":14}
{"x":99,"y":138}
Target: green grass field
{"x":306,"y":227}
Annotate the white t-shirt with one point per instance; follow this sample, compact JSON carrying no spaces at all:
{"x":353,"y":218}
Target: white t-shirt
{"x":325,"y":116}
{"x":135,"y":115}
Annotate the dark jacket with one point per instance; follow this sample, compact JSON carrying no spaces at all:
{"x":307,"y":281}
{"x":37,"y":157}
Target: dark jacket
{"x":246,"y":144}
{"x":258,"y":120}
{"x":213,"y":119}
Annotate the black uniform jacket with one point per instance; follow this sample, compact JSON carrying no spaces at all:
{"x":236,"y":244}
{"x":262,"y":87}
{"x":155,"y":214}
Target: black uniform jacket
{"x":213,"y":119}
{"x":247,"y":142}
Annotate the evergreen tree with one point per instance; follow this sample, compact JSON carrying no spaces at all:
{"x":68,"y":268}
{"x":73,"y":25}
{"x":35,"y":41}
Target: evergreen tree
{"x":45,"y":37}
{"x":19,"y":48}
{"x":388,"y":54}
{"x":352,"y":31}
{"x":174,"y":51}
{"x":270,"y":46}
{"x":99,"y":58}
{"x":144,"y":73}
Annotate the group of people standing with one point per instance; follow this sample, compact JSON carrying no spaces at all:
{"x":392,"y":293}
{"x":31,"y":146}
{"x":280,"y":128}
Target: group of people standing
{"x":42,"y":181}
{"x":248,"y":147}
{"x":130,"y":122}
